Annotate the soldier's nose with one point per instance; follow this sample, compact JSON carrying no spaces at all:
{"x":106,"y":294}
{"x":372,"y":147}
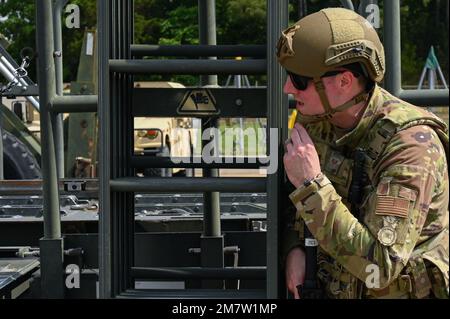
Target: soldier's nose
{"x":289,"y":87}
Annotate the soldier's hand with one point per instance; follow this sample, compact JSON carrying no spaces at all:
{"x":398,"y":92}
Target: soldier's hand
{"x":301,"y":161}
{"x":295,"y":270}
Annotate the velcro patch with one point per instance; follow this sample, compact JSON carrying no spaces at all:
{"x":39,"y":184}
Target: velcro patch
{"x":392,"y":206}
{"x":407,"y":193}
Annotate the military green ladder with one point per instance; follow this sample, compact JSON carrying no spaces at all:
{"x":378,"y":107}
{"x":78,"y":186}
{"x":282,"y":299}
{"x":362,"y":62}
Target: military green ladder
{"x":117,"y":64}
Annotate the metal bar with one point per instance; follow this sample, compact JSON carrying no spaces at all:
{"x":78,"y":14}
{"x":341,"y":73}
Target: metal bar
{"x":117,"y":153}
{"x":52,"y":227}
{"x":211,"y":204}
{"x":8,"y":66}
{"x":75,"y":103}
{"x":441,"y":75}
{"x":425,"y":97}
{"x":58,"y":128}
{"x":21,"y":83}
{"x":230,"y":102}
{"x":180,"y":67}
{"x":115,"y":147}
{"x":89,"y":188}
{"x":197,"y":162}
{"x":26,"y":91}
{"x":211,"y":239}
{"x":302,"y":9}
{"x":105,"y":218}
{"x":207,"y":33}
{"x":392,"y":44}
{"x":128,"y":219}
{"x":52,"y":220}
{"x":277,"y":103}
{"x":12,"y":65}
{"x":198,"y":273}
{"x":188,"y":184}
{"x":348,"y":4}
{"x":256,"y":51}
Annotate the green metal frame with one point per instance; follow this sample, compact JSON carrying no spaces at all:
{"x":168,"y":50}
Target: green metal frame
{"x":211,"y":241}
{"x":278,"y":19}
{"x":51,"y":244}
{"x":48,"y":14}
{"x":117,"y":183}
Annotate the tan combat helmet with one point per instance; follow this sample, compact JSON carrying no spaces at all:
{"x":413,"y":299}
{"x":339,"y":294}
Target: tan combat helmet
{"x":325,"y":41}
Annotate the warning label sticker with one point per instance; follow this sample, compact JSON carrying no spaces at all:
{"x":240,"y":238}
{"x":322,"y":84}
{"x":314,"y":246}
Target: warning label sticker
{"x":198,"y":102}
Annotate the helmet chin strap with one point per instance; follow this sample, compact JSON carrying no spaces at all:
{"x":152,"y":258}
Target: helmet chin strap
{"x":307,"y":119}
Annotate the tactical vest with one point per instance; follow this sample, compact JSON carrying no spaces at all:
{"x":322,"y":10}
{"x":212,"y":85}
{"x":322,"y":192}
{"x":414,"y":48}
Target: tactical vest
{"x":337,"y":164}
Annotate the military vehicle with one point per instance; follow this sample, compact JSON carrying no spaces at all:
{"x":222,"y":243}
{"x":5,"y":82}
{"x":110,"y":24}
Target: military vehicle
{"x":164,"y":136}
{"x":20,"y":145}
{"x":129,"y":234}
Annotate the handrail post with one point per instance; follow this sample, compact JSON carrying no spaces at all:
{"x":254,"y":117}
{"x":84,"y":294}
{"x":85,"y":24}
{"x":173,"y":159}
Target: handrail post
{"x":51,"y":244}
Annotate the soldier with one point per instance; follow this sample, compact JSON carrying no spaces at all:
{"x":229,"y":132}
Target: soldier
{"x":383,"y":233}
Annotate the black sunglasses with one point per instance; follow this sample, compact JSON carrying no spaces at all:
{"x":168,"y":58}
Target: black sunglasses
{"x":300,"y":82}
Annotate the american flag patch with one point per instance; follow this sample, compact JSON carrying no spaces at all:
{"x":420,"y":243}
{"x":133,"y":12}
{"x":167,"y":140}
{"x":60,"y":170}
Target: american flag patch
{"x":392,"y":206}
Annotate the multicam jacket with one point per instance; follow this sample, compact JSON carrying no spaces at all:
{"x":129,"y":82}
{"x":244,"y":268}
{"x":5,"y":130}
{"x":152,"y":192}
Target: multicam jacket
{"x":398,"y":245}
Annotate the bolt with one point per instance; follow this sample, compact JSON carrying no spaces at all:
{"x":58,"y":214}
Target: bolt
{"x":57,"y":54}
{"x":238,"y":102}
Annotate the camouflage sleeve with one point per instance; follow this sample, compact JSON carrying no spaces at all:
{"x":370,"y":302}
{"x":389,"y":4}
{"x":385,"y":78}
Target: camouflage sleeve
{"x":410,"y":175}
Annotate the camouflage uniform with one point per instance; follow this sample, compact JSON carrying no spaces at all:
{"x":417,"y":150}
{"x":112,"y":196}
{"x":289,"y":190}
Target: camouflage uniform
{"x":402,"y":229}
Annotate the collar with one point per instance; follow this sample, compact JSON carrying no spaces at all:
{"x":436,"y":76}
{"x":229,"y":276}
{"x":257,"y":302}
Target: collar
{"x":353,"y":137}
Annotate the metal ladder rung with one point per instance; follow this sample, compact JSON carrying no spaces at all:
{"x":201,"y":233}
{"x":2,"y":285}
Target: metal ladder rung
{"x":188,"y":184}
{"x":75,"y":103}
{"x":186,"y":66}
{"x":232,"y":102}
{"x":139,"y":50}
{"x":144,"y":161}
{"x":254,"y":272}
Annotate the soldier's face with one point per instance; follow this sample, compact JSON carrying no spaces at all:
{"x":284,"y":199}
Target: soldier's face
{"x":308,"y":100}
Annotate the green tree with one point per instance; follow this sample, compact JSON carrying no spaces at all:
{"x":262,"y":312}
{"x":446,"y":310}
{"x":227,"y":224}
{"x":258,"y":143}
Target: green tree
{"x":241,"y":21}
{"x":20,"y":29}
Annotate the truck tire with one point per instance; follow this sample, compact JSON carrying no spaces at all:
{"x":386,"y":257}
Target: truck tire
{"x":18,"y":161}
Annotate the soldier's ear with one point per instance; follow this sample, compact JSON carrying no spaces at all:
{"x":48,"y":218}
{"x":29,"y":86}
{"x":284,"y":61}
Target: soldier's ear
{"x":346,"y":79}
